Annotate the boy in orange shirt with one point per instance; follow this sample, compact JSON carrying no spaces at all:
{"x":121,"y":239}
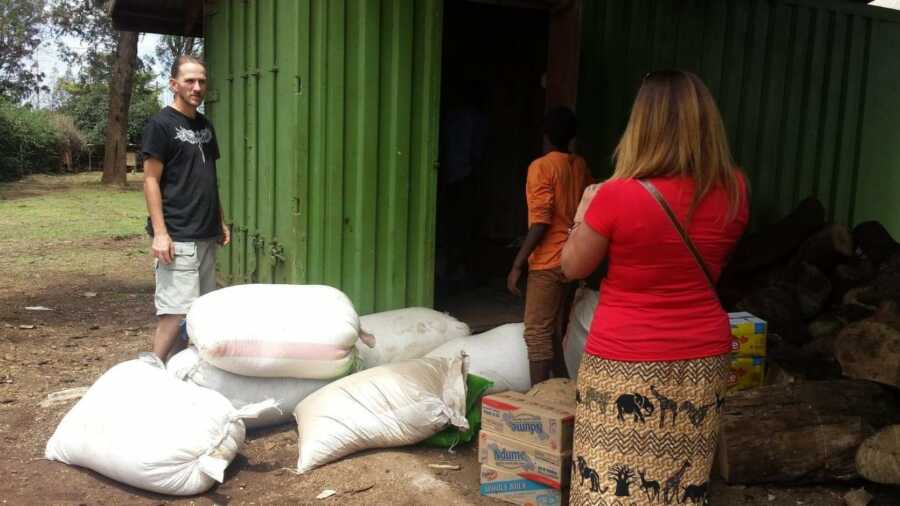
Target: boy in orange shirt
{"x":554,"y":187}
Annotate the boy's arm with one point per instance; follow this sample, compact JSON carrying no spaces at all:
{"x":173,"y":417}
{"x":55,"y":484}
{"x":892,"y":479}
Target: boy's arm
{"x":535,"y":234}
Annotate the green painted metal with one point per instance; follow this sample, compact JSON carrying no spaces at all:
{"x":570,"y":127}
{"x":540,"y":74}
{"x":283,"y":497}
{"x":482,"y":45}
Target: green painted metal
{"x":327,"y":114}
{"x":807,"y":90}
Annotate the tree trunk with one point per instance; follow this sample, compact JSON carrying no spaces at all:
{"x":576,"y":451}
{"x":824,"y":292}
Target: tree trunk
{"x":802,"y":432}
{"x":114,"y":169}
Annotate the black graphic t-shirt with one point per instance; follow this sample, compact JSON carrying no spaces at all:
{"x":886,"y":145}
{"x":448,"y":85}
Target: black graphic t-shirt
{"x":190,"y":195}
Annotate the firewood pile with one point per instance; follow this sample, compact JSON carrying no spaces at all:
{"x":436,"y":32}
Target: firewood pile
{"x":831,"y":406}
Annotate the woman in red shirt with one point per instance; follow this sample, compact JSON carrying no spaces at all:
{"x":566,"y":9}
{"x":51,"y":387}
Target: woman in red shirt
{"x":651,"y":384}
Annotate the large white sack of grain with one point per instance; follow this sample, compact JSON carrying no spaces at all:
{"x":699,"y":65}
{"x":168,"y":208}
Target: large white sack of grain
{"x":390,"y":405}
{"x":276,"y":331}
{"x":244,"y":390}
{"x":580,"y":319}
{"x":499,"y":355}
{"x":407,"y":333}
{"x":138,"y":425}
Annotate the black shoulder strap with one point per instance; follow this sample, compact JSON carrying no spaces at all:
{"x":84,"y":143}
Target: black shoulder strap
{"x":651,"y":189}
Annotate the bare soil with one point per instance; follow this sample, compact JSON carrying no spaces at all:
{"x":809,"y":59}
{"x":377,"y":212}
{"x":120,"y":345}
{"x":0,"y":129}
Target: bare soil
{"x":102,"y":314}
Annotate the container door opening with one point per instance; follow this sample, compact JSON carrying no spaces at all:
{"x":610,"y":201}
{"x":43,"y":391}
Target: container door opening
{"x":493,"y":92}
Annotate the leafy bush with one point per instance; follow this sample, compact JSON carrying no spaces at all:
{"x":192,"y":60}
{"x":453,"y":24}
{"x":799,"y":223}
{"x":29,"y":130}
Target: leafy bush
{"x":34,"y":140}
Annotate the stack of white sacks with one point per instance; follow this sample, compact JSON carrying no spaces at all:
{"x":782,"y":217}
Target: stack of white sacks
{"x":262,"y":353}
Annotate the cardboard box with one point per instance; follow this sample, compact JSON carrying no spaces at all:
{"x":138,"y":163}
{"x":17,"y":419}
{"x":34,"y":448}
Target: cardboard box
{"x":746,"y":372}
{"x":748,"y":335}
{"x":524,"y":460}
{"x":545,"y":424}
{"x":509,"y":487}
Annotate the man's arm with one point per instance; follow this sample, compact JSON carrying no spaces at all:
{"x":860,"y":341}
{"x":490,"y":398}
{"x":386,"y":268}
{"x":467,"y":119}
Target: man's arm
{"x":226,"y":232}
{"x":162,"y":247}
{"x":535,"y":234}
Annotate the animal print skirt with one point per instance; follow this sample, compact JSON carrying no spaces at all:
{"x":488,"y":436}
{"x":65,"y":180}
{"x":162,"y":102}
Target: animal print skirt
{"x":646,"y":432}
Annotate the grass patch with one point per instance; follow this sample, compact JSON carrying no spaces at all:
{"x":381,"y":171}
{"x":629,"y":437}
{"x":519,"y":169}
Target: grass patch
{"x":52,"y":208}
{"x":63,"y":223}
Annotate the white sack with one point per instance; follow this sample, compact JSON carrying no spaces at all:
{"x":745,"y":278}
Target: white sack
{"x":276,"y":331}
{"x":387,"y":406}
{"x":580,"y":319}
{"x":243,"y":390}
{"x":408,"y":333}
{"x":140,"y":426}
{"x":499,"y":355}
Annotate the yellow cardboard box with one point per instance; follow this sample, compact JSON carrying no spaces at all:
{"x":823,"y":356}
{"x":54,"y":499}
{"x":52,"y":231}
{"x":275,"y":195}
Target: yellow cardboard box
{"x":748,"y":335}
{"x":524,"y":460}
{"x":746,"y":372}
{"x":510,"y":487}
{"x":543,"y":423}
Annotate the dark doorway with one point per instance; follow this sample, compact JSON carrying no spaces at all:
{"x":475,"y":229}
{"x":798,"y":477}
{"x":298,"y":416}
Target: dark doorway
{"x":492,"y":103}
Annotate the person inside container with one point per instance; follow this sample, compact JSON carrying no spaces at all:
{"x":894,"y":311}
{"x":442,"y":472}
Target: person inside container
{"x":553,"y":188}
{"x":656,"y":358}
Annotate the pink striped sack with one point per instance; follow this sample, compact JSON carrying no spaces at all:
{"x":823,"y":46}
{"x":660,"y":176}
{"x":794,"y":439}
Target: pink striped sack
{"x":276,"y":331}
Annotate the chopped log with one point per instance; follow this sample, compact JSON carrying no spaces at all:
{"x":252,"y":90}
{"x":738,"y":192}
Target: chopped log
{"x":869,"y":350}
{"x":803,"y":364}
{"x":779,"y":240}
{"x":878,"y":458}
{"x":812,"y":289}
{"x":875,"y":241}
{"x":826,"y":325}
{"x":845,"y":277}
{"x":806,"y":432}
{"x":776,"y":304}
{"x":826,"y":248}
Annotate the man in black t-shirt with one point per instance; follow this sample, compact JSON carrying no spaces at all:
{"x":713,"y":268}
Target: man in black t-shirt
{"x":186,"y":220}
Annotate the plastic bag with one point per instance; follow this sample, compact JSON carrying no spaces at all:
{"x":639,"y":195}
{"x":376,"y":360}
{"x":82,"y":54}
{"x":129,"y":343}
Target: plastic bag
{"x":138,"y":425}
{"x":386,"y":406}
{"x":499,"y":355}
{"x":407,"y":333}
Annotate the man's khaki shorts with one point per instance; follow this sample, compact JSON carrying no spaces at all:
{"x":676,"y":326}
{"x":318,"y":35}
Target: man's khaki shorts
{"x":191,"y":274}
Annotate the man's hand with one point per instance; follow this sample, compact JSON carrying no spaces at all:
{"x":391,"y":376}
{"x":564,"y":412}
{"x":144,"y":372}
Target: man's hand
{"x":586,"y":199}
{"x":512,"y":281}
{"x":163,"y":248}
{"x":226,"y":235}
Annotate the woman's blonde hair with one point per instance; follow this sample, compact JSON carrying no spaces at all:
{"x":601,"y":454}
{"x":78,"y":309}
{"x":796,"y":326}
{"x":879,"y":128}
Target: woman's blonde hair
{"x":675,"y":129}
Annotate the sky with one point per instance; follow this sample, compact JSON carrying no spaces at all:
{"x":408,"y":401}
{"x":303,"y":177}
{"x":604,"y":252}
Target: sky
{"x":53,"y":68}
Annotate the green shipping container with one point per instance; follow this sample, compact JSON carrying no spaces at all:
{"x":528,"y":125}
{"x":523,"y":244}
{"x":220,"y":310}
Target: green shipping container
{"x":808,"y":91}
{"x":327,"y":114}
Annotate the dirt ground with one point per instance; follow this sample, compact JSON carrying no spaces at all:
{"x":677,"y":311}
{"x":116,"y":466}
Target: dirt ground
{"x":102,"y":314}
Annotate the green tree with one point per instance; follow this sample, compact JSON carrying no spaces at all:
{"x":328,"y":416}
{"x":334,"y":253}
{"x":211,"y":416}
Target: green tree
{"x":85,"y":98}
{"x":89,"y":21}
{"x":21,"y":22}
{"x":173,"y":46}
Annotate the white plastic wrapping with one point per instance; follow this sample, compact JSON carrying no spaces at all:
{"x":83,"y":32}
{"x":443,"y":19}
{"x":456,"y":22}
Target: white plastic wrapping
{"x":244,"y":390}
{"x":580,"y":319}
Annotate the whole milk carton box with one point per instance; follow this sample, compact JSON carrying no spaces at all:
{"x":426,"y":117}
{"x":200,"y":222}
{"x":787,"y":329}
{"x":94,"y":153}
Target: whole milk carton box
{"x":541,"y":423}
{"x":508,"y":486}
{"x":748,"y":335}
{"x":524,"y":460}
{"x":746,"y":372}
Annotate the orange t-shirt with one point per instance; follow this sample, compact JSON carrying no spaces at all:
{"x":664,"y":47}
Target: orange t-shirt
{"x":553,"y":190}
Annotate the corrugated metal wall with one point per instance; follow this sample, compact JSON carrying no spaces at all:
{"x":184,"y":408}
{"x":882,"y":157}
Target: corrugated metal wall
{"x":793,"y":79}
{"x":327,"y":113}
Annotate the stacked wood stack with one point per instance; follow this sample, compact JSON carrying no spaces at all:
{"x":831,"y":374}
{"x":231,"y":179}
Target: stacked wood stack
{"x":830,"y":296}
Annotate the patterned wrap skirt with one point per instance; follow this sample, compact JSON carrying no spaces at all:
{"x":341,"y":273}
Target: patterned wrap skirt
{"x":646,"y":432}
